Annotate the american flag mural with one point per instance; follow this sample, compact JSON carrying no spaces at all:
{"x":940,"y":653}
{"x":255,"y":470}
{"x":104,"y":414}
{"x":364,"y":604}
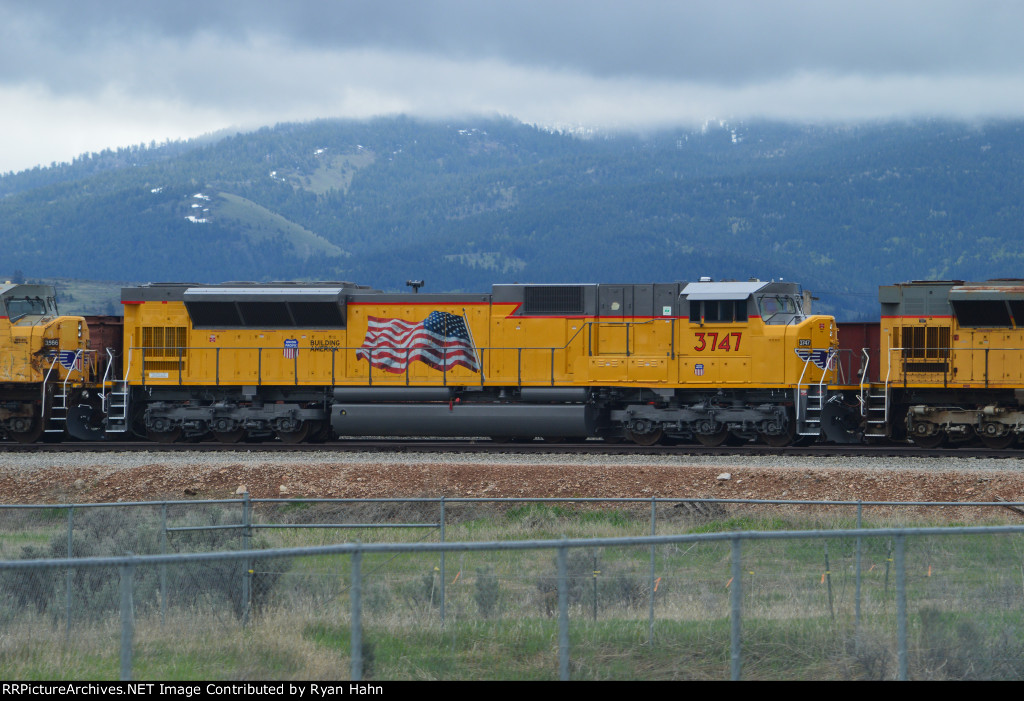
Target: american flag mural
{"x":442,"y":341}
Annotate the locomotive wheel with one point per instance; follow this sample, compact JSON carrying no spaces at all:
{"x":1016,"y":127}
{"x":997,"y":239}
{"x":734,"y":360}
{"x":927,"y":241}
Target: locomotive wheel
{"x":712,"y":440}
{"x":998,"y":442}
{"x":229,"y":436}
{"x":296,"y":436}
{"x":29,"y":436}
{"x":649,"y":438}
{"x":780,"y":440}
{"x":164,"y":436}
{"x":936,"y":440}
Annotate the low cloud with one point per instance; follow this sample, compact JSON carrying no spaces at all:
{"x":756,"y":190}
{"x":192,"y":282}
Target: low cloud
{"x":136,"y":72}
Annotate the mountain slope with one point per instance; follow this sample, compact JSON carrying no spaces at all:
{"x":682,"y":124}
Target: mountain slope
{"x":840,"y":209}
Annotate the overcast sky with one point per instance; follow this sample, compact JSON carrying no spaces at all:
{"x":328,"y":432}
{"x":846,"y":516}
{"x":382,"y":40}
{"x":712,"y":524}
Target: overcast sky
{"x":82,"y":76}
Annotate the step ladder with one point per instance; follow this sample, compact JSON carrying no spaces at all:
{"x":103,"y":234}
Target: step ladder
{"x":874,"y":404}
{"x":811,"y":399}
{"x":55,"y":411}
{"x":811,"y":404}
{"x":115,"y":398}
{"x":57,"y":418}
{"x":874,"y":410}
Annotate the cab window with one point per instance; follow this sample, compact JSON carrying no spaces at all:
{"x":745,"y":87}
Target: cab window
{"x":725,"y":311}
{"x":778,"y":309}
{"x":18,"y":307}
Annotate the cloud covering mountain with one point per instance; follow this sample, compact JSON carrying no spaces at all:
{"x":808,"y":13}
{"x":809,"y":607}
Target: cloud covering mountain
{"x":78,"y":77}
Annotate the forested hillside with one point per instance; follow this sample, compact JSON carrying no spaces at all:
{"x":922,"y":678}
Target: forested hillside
{"x":464,"y":205}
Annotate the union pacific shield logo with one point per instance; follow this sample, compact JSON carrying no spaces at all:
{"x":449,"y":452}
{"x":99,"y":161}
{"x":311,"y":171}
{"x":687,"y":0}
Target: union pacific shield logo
{"x":698,"y":369}
{"x":818,"y":356}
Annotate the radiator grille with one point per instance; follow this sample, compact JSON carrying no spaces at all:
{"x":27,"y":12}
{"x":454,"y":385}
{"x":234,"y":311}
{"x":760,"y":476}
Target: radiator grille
{"x":553,"y":300}
{"x":925,"y":348}
{"x":162,"y":347}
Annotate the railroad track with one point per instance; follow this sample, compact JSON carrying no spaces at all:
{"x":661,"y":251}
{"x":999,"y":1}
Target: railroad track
{"x":485,"y":446}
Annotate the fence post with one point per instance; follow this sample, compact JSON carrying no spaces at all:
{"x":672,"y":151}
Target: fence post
{"x":247,"y":563}
{"x":651,"y":585}
{"x":901,"y":606}
{"x":888,"y":566}
{"x":442,"y":562}
{"x":563,"y":613}
{"x":735,"y":600}
{"x":356,"y":593}
{"x":828,"y":580}
{"x":860,"y":545}
{"x":70,"y":575}
{"x":127,"y":621}
{"x":163,"y":566}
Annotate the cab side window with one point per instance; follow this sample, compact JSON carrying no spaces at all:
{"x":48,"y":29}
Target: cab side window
{"x":725,"y":311}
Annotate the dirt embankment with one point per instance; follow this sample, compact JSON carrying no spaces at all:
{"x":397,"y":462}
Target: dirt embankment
{"x":278,"y":477}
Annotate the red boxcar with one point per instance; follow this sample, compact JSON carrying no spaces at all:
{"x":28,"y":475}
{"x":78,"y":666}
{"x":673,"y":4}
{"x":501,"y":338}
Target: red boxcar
{"x":107,"y":332}
{"x":854,"y":337}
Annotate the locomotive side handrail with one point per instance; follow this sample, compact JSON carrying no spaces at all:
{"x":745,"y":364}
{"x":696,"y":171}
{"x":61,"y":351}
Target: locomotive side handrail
{"x":551,"y":378}
{"x":108,"y":377}
{"x":865,"y":361}
{"x":888,"y":374}
{"x":46,"y":380}
{"x":218,"y":373}
{"x":949,"y":355}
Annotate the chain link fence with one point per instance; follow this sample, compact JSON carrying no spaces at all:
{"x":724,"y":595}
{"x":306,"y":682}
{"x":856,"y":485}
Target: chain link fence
{"x":504,"y":589}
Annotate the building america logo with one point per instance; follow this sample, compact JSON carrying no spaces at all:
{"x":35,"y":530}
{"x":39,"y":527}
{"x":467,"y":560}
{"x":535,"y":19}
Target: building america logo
{"x":818,"y":356}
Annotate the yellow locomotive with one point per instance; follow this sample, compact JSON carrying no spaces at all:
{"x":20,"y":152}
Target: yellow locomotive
{"x":704,"y":360}
{"x":45,"y":362}
{"x":950,"y":366}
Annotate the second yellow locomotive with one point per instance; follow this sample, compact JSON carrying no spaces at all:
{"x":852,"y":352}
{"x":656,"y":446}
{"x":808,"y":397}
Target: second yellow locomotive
{"x":950,"y":366}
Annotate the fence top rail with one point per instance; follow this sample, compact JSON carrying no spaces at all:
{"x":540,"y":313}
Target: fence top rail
{"x":367,"y":526}
{"x":392,"y":548}
{"x":512,"y":500}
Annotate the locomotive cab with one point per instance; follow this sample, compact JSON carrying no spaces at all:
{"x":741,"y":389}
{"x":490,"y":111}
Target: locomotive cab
{"x":45,"y":362}
{"x":753,"y":364}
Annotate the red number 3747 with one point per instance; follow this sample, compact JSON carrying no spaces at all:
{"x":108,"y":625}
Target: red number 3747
{"x":716,"y":344}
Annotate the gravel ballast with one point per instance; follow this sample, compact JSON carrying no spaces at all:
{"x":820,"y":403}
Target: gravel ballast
{"x":142,"y":476}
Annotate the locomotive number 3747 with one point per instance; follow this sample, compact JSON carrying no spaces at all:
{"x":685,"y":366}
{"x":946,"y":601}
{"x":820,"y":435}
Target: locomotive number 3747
{"x":713,"y":341}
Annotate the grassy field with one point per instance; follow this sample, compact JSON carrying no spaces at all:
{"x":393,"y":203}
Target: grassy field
{"x":965,"y":601}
